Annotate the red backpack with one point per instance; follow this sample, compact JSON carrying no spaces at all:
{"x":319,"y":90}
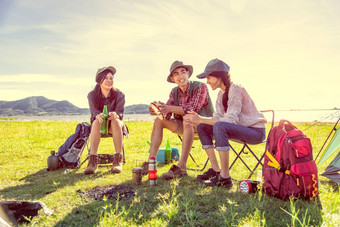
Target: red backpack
{"x":289,"y":170}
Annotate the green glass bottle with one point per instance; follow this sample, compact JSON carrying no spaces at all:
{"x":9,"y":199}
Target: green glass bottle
{"x":167,"y":152}
{"x":104,"y":127}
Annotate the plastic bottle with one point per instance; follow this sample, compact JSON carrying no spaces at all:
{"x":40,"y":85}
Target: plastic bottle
{"x":167,"y":152}
{"x":52,"y":161}
{"x":104,"y":127}
{"x":152,"y":171}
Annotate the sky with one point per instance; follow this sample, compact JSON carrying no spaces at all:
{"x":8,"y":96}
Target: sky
{"x":285,"y":53}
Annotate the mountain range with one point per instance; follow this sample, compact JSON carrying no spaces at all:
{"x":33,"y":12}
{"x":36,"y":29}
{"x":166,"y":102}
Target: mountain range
{"x":39,"y":105}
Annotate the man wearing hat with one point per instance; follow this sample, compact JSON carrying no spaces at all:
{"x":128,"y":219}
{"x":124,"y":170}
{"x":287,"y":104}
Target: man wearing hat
{"x":187,"y":96}
{"x":105,"y":94}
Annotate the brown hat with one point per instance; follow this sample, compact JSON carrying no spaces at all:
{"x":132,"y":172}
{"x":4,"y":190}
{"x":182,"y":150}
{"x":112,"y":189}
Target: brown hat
{"x":176,"y":65}
{"x":99,"y":78}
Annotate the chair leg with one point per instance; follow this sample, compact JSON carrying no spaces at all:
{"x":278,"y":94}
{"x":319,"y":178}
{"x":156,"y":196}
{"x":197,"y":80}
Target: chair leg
{"x":83,"y":161}
{"x":258,"y":163}
{"x":123,"y":155}
{"x":205,"y":165}
{"x":239,"y":157}
{"x":88,"y":153}
{"x":192,"y":158}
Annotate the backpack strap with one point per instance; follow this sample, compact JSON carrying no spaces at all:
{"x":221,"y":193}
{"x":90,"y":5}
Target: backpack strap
{"x":274,"y":163}
{"x":286,"y":125}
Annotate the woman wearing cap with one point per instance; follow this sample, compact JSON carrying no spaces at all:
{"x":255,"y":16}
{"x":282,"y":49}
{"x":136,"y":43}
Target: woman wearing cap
{"x":105,"y":94}
{"x":236,"y":117}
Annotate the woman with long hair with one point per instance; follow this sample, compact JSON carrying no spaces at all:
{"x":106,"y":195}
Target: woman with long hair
{"x":236,"y":117}
{"x":105,"y":94}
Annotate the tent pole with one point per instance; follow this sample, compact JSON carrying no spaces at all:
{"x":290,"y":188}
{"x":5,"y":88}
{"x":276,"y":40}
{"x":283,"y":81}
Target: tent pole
{"x":334,"y":129}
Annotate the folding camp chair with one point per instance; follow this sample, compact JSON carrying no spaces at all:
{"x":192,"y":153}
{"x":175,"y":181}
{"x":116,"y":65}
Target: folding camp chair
{"x":106,"y":159}
{"x":246,"y":147}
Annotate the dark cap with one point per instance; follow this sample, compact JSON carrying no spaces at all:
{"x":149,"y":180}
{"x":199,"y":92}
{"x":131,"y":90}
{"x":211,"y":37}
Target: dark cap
{"x":99,"y":77}
{"x":214,"y":65}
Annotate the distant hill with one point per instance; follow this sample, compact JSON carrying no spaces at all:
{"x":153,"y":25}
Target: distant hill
{"x":39,"y":105}
{"x":137,"y":109}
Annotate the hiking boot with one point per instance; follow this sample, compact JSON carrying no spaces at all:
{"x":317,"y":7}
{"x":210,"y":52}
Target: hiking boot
{"x":174,"y":171}
{"x":92,"y":165}
{"x":117,"y":163}
{"x":145,"y":168}
{"x":219,"y":181}
{"x":207,"y":175}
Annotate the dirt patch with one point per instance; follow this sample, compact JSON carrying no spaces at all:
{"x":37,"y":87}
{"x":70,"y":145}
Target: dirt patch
{"x":113,"y":192}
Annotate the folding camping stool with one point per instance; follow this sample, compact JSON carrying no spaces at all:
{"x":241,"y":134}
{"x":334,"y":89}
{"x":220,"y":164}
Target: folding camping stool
{"x":206,"y":162}
{"x":246,"y":148}
{"x":106,"y":159}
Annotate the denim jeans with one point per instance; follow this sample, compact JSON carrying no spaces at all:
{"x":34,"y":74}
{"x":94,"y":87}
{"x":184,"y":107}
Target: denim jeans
{"x":223,"y":131}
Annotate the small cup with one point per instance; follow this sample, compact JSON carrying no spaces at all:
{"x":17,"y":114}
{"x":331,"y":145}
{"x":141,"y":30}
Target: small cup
{"x":137,"y":175}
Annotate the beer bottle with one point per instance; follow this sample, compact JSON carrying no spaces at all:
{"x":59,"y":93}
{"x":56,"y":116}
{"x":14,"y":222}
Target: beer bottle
{"x":104,"y":127}
{"x":167,"y":152}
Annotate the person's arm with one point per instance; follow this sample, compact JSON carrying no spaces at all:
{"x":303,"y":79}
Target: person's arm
{"x":195,"y":104}
{"x":172,"y":109}
{"x":234,"y":105}
{"x":192,"y":118}
{"x":120,"y":103}
{"x":169,"y":108}
{"x":198,"y":100}
{"x":94,"y":112}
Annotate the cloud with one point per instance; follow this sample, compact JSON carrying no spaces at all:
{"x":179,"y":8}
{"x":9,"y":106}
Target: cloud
{"x":54,"y":46}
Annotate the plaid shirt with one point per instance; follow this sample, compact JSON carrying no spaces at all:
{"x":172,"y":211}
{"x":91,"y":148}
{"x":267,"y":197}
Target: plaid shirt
{"x":199,"y":99}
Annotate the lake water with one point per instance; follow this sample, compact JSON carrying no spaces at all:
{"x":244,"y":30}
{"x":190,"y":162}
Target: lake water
{"x":294,"y":116}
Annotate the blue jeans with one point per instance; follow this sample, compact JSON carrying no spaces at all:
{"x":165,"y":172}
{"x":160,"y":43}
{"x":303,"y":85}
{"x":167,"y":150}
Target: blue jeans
{"x":223,"y":131}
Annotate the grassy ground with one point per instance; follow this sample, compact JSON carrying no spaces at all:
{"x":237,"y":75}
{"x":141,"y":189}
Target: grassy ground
{"x":25,"y":146}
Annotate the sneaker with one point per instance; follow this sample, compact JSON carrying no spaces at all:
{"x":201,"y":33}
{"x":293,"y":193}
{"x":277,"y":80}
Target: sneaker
{"x":117,"y":163}
{"x":219,"y":181}
{"x":207,"y":175}
{"x":145,"y":168}
{"x":92,"y":165}
{"x":174,"y":171}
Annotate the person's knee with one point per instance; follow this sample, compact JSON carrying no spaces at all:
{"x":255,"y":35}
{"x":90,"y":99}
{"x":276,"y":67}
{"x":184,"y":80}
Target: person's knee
{"x":95,"y":126}
{"x":188,"y":128}
{"x":158,"y":123}
{"x":219,"y":127}
{"x":114,"y":122}
{"x":201,"y":128}
{"x":95,"y":130}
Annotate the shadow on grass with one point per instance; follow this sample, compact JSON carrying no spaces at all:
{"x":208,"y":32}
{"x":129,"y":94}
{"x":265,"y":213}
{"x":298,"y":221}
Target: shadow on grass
{"x":42,"y":183}
{"x":186,"y":202}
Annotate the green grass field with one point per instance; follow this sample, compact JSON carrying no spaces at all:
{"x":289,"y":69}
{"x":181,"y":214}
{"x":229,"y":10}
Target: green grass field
{"x":25,"y":146}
